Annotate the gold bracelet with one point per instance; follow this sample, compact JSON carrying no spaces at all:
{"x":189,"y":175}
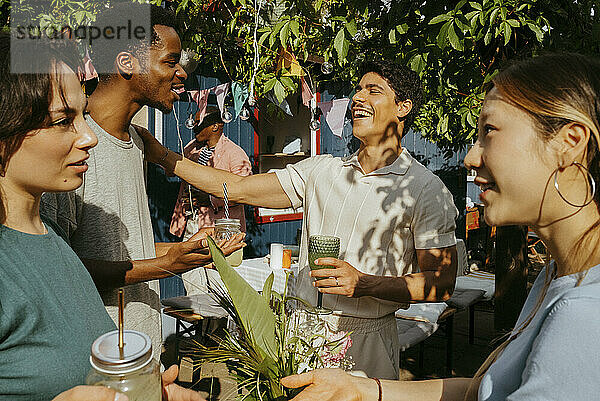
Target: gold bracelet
{"x":379,"y":388}
{"x":162,"y":159}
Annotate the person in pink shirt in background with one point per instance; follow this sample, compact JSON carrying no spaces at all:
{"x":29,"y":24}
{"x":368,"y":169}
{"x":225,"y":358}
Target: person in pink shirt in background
{"x":196,"y":209}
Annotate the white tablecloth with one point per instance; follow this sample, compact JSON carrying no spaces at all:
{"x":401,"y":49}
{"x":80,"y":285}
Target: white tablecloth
{"x":255,"y":272}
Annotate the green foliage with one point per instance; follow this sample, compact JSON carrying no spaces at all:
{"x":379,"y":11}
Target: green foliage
{"x":456,"y":47}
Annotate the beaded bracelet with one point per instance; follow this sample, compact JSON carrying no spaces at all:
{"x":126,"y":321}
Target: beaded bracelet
{"x":379,"y":388}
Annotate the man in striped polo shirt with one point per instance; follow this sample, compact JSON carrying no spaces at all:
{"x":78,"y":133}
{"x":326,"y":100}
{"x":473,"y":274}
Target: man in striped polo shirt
{"x":395,"y":218}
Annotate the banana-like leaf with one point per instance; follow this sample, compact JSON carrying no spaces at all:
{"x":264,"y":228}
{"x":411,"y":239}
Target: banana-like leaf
{"x":268,"y":287}
{"x":254,"y":311}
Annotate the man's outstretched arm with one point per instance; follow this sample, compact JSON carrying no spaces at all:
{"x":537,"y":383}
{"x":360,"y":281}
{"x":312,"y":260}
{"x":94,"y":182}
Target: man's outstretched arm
{"x":176,"y":258}
{"x":258,"y":190}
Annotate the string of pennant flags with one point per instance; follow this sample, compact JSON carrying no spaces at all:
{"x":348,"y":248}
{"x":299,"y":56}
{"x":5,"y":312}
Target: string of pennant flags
{"x":333,"y":111}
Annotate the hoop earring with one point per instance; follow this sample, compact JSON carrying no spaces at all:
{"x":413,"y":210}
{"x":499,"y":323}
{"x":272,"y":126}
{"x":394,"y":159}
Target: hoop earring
{"x":590,"y":179}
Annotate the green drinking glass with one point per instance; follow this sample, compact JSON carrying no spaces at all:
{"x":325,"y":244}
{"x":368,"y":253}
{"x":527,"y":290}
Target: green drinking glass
{"x":322,"y":246}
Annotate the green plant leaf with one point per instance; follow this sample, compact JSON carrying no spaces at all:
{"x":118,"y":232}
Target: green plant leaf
{"x":392,"y":36}
{"x":341,"y":46}
{"x":442,"y":37}
{"x":514,"y":23}
{"x":284,"y":34}
{"x":439,"y":18}
{"x":475,"y":5}
{"x":279,"y":90}
{"x":295,"y":28}
{"x":507,"y":33}
{"x":268,"y":287}
{"x":351,"y":27}
{"x":255,"y":313}
{"x":402,"y":28}
{"x":454,"y":40}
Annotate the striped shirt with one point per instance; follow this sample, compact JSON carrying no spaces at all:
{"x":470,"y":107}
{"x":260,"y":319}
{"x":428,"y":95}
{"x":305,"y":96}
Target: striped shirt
{"x":381,"y":219}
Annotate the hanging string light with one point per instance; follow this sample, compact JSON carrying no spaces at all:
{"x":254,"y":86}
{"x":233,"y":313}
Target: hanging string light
{"x":314,"y":124}
{"x":227,"y":116}
{"x":327,"y":68}
{"x":244,"y":113}
{"x":189,"y":122}
{"x":256,"y":61}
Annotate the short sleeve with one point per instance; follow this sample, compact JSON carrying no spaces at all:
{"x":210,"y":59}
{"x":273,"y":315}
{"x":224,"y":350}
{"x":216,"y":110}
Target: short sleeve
{"x":294,"y":177}
{"x":239,"y":164}
{"x":433,"y":221}
{"x":63,"y":209}
{"x":565,"y":357}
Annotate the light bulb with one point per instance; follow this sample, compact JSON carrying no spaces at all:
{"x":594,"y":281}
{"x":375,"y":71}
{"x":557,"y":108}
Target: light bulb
{"x":189,"y":122}
{"x":251,"y":101}
{"x":244,"y":114}
{"x":226,"y":116}
{"x":326,"y":68}
{"x":314,"y":125}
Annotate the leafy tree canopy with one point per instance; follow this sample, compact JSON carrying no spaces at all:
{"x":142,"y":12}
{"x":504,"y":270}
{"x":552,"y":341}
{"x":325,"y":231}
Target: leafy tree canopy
{"x":455,"y":46}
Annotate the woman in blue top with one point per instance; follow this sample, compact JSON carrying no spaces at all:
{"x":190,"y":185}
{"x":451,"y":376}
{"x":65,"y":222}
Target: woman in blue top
{"x":50,"y":311}
{"x":538,"y":164}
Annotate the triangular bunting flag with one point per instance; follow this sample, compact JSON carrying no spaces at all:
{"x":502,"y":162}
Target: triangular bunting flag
{"x":288,"y":61}
{"x":307,"y":94}
{"x":284,"y":105}
{"x":221,"y":92}
{"x":334,"y":112}
{"x":240,"y":95}
{"x":201,"y":99}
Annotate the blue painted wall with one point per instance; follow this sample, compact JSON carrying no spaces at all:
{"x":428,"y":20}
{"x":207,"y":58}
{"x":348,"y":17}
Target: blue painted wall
{"x":162,"y":190}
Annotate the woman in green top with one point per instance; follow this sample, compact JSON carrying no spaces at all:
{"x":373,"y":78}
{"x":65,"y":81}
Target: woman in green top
{"x":50,"y":311}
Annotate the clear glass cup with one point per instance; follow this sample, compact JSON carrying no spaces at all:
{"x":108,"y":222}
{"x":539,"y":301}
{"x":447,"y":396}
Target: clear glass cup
{"x":322,"y":246}
{"x":132,"y":372}
{"x":225,"y":229}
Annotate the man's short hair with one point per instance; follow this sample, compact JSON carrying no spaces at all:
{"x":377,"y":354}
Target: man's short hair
{"x":104,"y":52}
{"x":404,"y":82}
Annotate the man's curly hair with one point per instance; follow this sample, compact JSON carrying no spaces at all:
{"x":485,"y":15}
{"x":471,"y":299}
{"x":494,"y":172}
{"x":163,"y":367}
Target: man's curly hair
{"x":404,"y":81}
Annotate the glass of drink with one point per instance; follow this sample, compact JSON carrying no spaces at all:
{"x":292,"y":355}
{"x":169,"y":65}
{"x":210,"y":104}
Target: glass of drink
{"x":322,"y":246}
{"x":130,"y":370}
{"x":225,"y":229}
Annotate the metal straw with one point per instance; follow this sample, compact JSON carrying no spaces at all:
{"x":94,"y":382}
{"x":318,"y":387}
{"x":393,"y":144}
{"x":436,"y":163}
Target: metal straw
{"x":225,"y":199}
{"x":121,"y":324}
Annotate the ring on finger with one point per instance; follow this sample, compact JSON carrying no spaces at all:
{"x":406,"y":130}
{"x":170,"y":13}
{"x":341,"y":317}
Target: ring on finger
{"x":336,"y":282}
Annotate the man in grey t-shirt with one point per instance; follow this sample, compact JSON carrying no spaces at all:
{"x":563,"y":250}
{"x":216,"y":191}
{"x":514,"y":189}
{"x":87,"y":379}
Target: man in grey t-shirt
{"x":107,"y":218}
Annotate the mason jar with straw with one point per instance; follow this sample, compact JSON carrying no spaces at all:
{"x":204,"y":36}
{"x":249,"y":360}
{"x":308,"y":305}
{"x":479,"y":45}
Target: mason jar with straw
{"x":122,"y":360}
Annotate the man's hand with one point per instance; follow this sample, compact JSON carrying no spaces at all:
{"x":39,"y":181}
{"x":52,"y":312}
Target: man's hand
{"x":90,"y":393}
{"x":173,"y":392}
{"x":329,"y":385}
{"x":187,"y":255}
{"x":203,"y":233}
{"x":341,"y":279}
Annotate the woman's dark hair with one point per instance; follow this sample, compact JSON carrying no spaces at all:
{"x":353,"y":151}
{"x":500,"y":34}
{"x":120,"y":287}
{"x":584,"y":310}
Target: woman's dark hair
{"x":404,"y":82}
{"x":25,"y":98}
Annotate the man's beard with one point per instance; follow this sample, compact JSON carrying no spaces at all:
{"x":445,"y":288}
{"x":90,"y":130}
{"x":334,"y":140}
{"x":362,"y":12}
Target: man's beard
{"x":147,"y":88}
